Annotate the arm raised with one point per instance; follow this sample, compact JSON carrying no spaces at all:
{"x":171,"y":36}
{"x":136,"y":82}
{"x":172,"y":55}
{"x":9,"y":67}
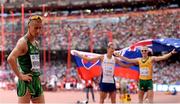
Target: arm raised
{"x":164,"y":57}
{"x":88,"y":58}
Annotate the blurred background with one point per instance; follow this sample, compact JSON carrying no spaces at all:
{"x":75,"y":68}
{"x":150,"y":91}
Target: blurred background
{"x":88,"y":25}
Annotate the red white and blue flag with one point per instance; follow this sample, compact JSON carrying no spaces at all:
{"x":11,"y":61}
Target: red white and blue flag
{"x":88,"y":70}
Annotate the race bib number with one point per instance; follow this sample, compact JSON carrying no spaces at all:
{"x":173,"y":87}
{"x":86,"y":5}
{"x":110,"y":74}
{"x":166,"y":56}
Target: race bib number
{"x":108,"y":75}
{"x":144,"y":72}
{"x":35,"y":61}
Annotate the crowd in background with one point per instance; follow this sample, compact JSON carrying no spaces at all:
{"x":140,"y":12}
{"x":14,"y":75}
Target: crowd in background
{"x":164,"y":73}
{"x":125,"y":30}
{"x":39,"y":3}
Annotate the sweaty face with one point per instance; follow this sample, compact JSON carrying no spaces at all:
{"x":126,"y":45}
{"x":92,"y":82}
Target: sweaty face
{"x":35,"y":27}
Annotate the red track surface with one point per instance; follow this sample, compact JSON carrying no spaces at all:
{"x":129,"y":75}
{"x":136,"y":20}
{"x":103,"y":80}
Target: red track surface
{"x":73,"y":96}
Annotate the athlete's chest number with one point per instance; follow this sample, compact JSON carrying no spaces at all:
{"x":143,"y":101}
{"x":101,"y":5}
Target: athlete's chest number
{"x":35,"y":61}
{"x":144,"y":71}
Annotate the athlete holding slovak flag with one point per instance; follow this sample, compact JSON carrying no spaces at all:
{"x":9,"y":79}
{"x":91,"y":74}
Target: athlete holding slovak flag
{"x":107,"y":82}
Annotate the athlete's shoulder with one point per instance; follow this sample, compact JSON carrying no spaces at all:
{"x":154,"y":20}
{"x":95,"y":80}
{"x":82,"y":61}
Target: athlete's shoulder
{"x":101,"y":57}
{"x":138,"y":59}
{"x":22,"y":41}
{"x":151,"y":58}
{"x":21,"y":44}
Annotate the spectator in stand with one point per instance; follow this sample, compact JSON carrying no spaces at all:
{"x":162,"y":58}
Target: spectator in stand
{"x":129,"y":28}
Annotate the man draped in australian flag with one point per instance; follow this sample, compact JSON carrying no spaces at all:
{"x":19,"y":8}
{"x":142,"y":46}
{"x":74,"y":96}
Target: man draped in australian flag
{"x":146,"y":70}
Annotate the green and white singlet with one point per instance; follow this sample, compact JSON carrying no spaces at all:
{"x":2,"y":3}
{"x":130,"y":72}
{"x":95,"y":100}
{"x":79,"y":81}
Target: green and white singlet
{"x":30,"y":64}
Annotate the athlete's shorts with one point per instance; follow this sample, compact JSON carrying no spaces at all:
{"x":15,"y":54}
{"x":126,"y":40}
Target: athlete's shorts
{"x":34,"y":87}
{"x":145,"y":85}
{"x":107,"y":87}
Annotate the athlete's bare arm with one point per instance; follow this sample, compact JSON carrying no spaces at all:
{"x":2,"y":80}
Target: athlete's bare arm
{"x":135,"y":61}
{"x":19,"y":50}
{"x":122,"y":64}
{"x":164,"y":57}
{"x":88,"y":58}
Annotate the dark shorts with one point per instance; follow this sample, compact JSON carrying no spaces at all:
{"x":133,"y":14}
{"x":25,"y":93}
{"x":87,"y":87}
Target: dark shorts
{"x":145,"y":85}
{"x":107,"y":87}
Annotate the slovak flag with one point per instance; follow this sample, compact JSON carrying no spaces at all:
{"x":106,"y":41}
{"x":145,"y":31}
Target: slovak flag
{"x":88,"y":70}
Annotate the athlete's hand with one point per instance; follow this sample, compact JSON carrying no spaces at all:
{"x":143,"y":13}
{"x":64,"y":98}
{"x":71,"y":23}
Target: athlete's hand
{"x":117,"y":54}
{"x":75,"y":53}
{"x":173,"y":52}
{"x":26,"y":77}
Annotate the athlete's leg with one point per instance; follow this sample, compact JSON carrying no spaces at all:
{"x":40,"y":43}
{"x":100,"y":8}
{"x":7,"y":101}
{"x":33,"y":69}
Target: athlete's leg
{"x":87,"y":93}
{"x":113,"y":97}
{"x":24,"y":99}
{"x":141,"y":96}
{"x":92,"y":93}
{"x":150,"y":95}
{"x":103,"y":95}
{"x":39,"y":99}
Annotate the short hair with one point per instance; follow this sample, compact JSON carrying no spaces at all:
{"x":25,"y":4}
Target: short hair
{"x":35,"y":17}
{"x":150,"y":52}
{"x":144,"y":47}
{"x":109,"y":44}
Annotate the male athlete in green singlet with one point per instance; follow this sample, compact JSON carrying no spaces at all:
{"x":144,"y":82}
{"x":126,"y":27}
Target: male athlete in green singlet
{"x":27,"y":68}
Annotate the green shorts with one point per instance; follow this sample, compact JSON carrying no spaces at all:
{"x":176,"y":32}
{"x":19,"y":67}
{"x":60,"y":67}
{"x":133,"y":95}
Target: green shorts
{"x":145,"y":85}
{"x":34,"y":87}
